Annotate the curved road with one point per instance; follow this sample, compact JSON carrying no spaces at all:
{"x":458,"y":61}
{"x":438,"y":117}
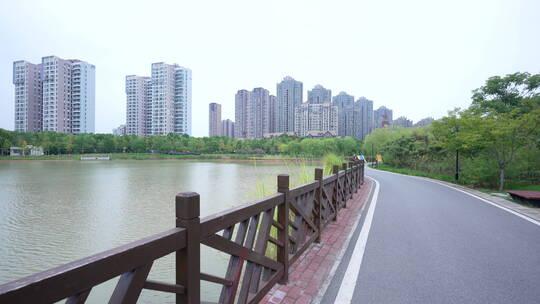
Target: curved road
{"x":423,"y":242}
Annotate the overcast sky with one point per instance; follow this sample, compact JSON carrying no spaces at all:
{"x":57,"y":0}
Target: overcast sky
{"x":419,"y":58}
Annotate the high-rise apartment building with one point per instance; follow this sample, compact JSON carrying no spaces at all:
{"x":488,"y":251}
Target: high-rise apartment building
{"x":227,"y":128}
{"x":159,"y":104}
{"x":319,"y":95}
{"x":163,"y":81}
{"x":83,"y":90}
{"x":351,"y":116}
{"x":289,"y":96}
{"x":272,"y":113}
{"x":56,"y":95}
{"x":120,"y":130}
{"x":182,"y":100}
{"x":346,"y":108}
{"x":382,"y":117}
{"x":260,"y":108}
{"x":402,"y":121}
{"x":424,"y":122}
{"x":253,"y":113}
{"x":366,"y":116}
{"x":214,"y":119}
{"x":316,"y":118}
{"x":138,"y":109}
{"x":343,"y":99}
{"x":28,"y":96}
{"x":242,"y":116}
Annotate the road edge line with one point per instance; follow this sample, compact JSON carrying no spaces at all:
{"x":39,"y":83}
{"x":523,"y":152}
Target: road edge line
{"x":348,"y":283}
{"x":320,"y":295}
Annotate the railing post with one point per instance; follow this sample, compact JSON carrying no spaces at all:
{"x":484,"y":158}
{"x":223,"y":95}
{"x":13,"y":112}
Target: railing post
{"x":345,"y":185}
{"x":318,"y":206}
{"x":359,"y":173}
{"x":363,"y":164}
{"x":353,"y":178}
{"x":335,"y":170}
{"x":188,"y":260}
{"x":283,"y":219}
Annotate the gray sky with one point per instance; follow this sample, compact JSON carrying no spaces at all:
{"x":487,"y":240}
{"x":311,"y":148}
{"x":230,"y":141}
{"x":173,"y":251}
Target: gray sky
{"x":419,"y":58}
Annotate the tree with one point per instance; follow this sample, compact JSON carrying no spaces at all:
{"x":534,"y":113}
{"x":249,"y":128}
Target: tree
{"x":515,"y":94}
{"x":509,"y":109}
{"x":69,"y":144}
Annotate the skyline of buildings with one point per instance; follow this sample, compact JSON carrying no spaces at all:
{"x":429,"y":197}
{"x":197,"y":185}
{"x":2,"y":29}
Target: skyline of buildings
{"x":257,"y":115}
{"x":59,"y":95}
{"x":55,"y":95}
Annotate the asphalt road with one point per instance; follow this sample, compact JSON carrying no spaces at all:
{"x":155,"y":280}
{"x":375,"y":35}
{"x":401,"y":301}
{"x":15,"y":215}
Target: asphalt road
{"x":428,"y":243}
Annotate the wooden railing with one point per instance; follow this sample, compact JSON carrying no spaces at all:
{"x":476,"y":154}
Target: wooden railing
{"x":291,"y":220}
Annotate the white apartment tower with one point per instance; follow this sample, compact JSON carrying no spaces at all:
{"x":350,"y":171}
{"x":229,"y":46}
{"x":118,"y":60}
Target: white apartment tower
{"x":83,"y":96}
{"x":163,"y":81}
{"x":316,"y":118}
{"x":138,"y":97}
{"x":170,"y":99}
{"x":182,"y":100}
{"x":159,"y":104}
{"x":56,"y":95}
{"x":28,"y":96}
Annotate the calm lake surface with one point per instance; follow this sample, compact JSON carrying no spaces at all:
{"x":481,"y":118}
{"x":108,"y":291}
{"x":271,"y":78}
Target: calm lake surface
{"x":54,"y":212}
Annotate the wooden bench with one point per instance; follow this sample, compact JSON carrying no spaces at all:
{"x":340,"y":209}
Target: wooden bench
{"x":532,"y":197}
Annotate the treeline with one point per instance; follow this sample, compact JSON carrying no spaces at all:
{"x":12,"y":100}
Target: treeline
{"x":60,"y":143}
{"x":496,"y":140}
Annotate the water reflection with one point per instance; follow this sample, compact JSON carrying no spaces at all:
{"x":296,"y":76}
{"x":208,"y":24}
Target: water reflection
{"x":54,"y":212}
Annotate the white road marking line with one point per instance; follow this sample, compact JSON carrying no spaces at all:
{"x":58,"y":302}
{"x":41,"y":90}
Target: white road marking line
{"x":348,"y":283}
{"x":322,"y":291}
{"x":470,"y":194}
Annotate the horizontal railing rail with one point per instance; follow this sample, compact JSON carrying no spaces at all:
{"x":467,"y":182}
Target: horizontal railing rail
{"x":263,"y":238}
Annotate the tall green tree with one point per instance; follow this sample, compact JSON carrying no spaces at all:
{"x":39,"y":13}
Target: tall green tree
{"x":509,"y":109}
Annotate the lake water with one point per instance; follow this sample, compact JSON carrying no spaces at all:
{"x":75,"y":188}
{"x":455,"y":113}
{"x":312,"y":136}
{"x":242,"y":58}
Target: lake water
{"x":53,"y":212}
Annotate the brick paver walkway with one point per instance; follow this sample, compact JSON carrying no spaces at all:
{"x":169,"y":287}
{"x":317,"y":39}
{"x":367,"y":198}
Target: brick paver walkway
{"x":314,"y":269}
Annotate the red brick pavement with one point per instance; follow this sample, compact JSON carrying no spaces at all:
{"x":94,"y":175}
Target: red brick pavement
{"x":310,"y":272}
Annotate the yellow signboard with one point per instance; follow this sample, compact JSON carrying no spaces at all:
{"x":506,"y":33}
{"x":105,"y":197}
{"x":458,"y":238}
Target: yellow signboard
{"x":379,"y":158}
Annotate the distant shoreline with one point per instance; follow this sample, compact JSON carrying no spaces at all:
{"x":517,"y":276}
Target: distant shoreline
{"x":151,"y":156}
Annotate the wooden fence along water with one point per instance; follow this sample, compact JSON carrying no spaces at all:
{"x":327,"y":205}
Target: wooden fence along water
{"x":299,"y":215}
